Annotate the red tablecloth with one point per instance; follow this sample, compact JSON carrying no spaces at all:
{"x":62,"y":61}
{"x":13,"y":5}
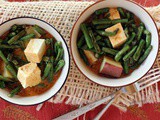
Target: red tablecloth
{"x":9,"y":111}
{"x":13,"y":112}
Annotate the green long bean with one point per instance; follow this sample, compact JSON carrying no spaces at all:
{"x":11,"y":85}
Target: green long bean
{"x":106,"y":34}
{"x":140,"y":31}
{"x":47,"y":70}
{"x":11,"y":69}
{"x":86,"y":35}
{"x":129,"y":54}
{"x":29,"y":36}
{"x":81,"y":41}
{"x":3,"y":46}
{"x":109,"y":22}
{"x":101,"y":11}
{"x":139,"y":50}
{"x":15,"y":38}
{"x":5,"y":79}
{"x":121,"y":52}
{"x":148,"y":40}
{"x":108,"y":43}
{"x":59,"y":65}
{"x":145,"y":55}
{"x":83,"y":56}
{"x":109,"y":51}
{"x":129,"y":41}
{"x":15,"y":91}
{"x":121,"y":11}
{"x":39,"y":30}
{"x":95,"y":45}
{"x":126,"y":67}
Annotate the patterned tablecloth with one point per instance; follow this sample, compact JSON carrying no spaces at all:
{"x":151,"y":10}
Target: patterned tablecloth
{"x":49,"y":110}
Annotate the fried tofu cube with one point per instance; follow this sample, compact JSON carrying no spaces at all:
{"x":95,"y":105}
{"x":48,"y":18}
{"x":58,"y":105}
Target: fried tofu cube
{"x":35,"y":50}
{"x":119,"y":38}
{"x":29,"y":75}
{"x":114,"y":14}
{"x":90,"y":56}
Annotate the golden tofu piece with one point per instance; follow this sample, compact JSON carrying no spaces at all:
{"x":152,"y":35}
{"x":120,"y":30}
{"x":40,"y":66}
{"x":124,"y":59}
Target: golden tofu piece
{"x":90,"y":56}
{"x":114,"y":14}
{"x":29,"y":75}
{"x":35,"y":50}
{"x":119,"y":38}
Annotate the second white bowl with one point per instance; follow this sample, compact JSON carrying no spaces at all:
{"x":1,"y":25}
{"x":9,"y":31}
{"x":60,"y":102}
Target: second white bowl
{"x":136,"y":74}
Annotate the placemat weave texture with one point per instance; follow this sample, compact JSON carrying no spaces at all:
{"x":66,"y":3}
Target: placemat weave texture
{"x":78,"y":90}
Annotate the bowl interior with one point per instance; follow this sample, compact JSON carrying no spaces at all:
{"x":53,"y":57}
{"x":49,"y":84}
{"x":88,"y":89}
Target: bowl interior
{"x":138,"y":73}
{"x":57,"y":86}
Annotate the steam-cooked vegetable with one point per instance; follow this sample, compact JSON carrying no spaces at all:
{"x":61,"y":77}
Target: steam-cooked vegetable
{"x":140,"y":31}
{"x":111,"y":67}
{"x":15,"y":91}
{"x":8,"y":65}
{"x":110,"y":51}
{"x":81,"y":41}
{"x":5,"y":79}
{"x":144,"y":56}
{"x":121,"y":52}
{"x":148,"y":39}
{"x":130,"y":53}
{"x":15,"y":38}
{"x":126,"y":67}
{"x":59,"y":65}
{"x":86,"y":35}
{"x":101,"y":11}
{"x":39,"y":30}
{"x":47,"y":70}
{"x":121,"y":11}
{"x":104,"y":33}
{"x":95,"y":45}
{"x":139,"y":50}
{"x":131,"y":38}
{"x":83,"y":56}
{"x":27,"y":37}
{"x":109,"y":22}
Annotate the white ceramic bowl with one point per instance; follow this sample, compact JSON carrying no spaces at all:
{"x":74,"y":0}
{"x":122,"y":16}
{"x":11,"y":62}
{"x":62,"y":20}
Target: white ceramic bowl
{"x":138,"y":73}
{"x":57,"y":86}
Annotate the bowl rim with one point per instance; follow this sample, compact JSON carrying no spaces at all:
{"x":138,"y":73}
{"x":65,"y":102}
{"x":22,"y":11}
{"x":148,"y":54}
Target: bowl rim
{"x":75,"y":60}
{"x":66,"y":49}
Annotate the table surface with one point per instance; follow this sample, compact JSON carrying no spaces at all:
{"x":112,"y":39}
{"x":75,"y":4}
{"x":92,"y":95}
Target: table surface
{"x":49,"y":110}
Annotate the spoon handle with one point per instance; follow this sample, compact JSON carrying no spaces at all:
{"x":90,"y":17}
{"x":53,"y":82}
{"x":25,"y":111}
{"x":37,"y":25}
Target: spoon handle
{"x":104,"y":110}
{"x":76,"y":113}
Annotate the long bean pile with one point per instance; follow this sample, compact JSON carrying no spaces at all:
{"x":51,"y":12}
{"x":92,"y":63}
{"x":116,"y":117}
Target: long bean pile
{"x":12,"y":45}
{"x":93,"y":37}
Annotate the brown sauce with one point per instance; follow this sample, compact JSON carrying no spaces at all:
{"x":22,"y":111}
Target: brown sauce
{"x":36,"y":90}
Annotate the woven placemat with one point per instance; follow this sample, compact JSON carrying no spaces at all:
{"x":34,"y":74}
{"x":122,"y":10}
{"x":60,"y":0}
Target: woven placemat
{"x":78,"y":90}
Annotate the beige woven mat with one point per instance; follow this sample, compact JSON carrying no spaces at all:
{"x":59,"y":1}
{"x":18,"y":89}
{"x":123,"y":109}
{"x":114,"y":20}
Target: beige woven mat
{"x":78,"y":89}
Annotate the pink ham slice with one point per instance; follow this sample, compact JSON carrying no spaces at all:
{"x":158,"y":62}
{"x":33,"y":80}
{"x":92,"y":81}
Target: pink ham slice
{"x":111,"y":67}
